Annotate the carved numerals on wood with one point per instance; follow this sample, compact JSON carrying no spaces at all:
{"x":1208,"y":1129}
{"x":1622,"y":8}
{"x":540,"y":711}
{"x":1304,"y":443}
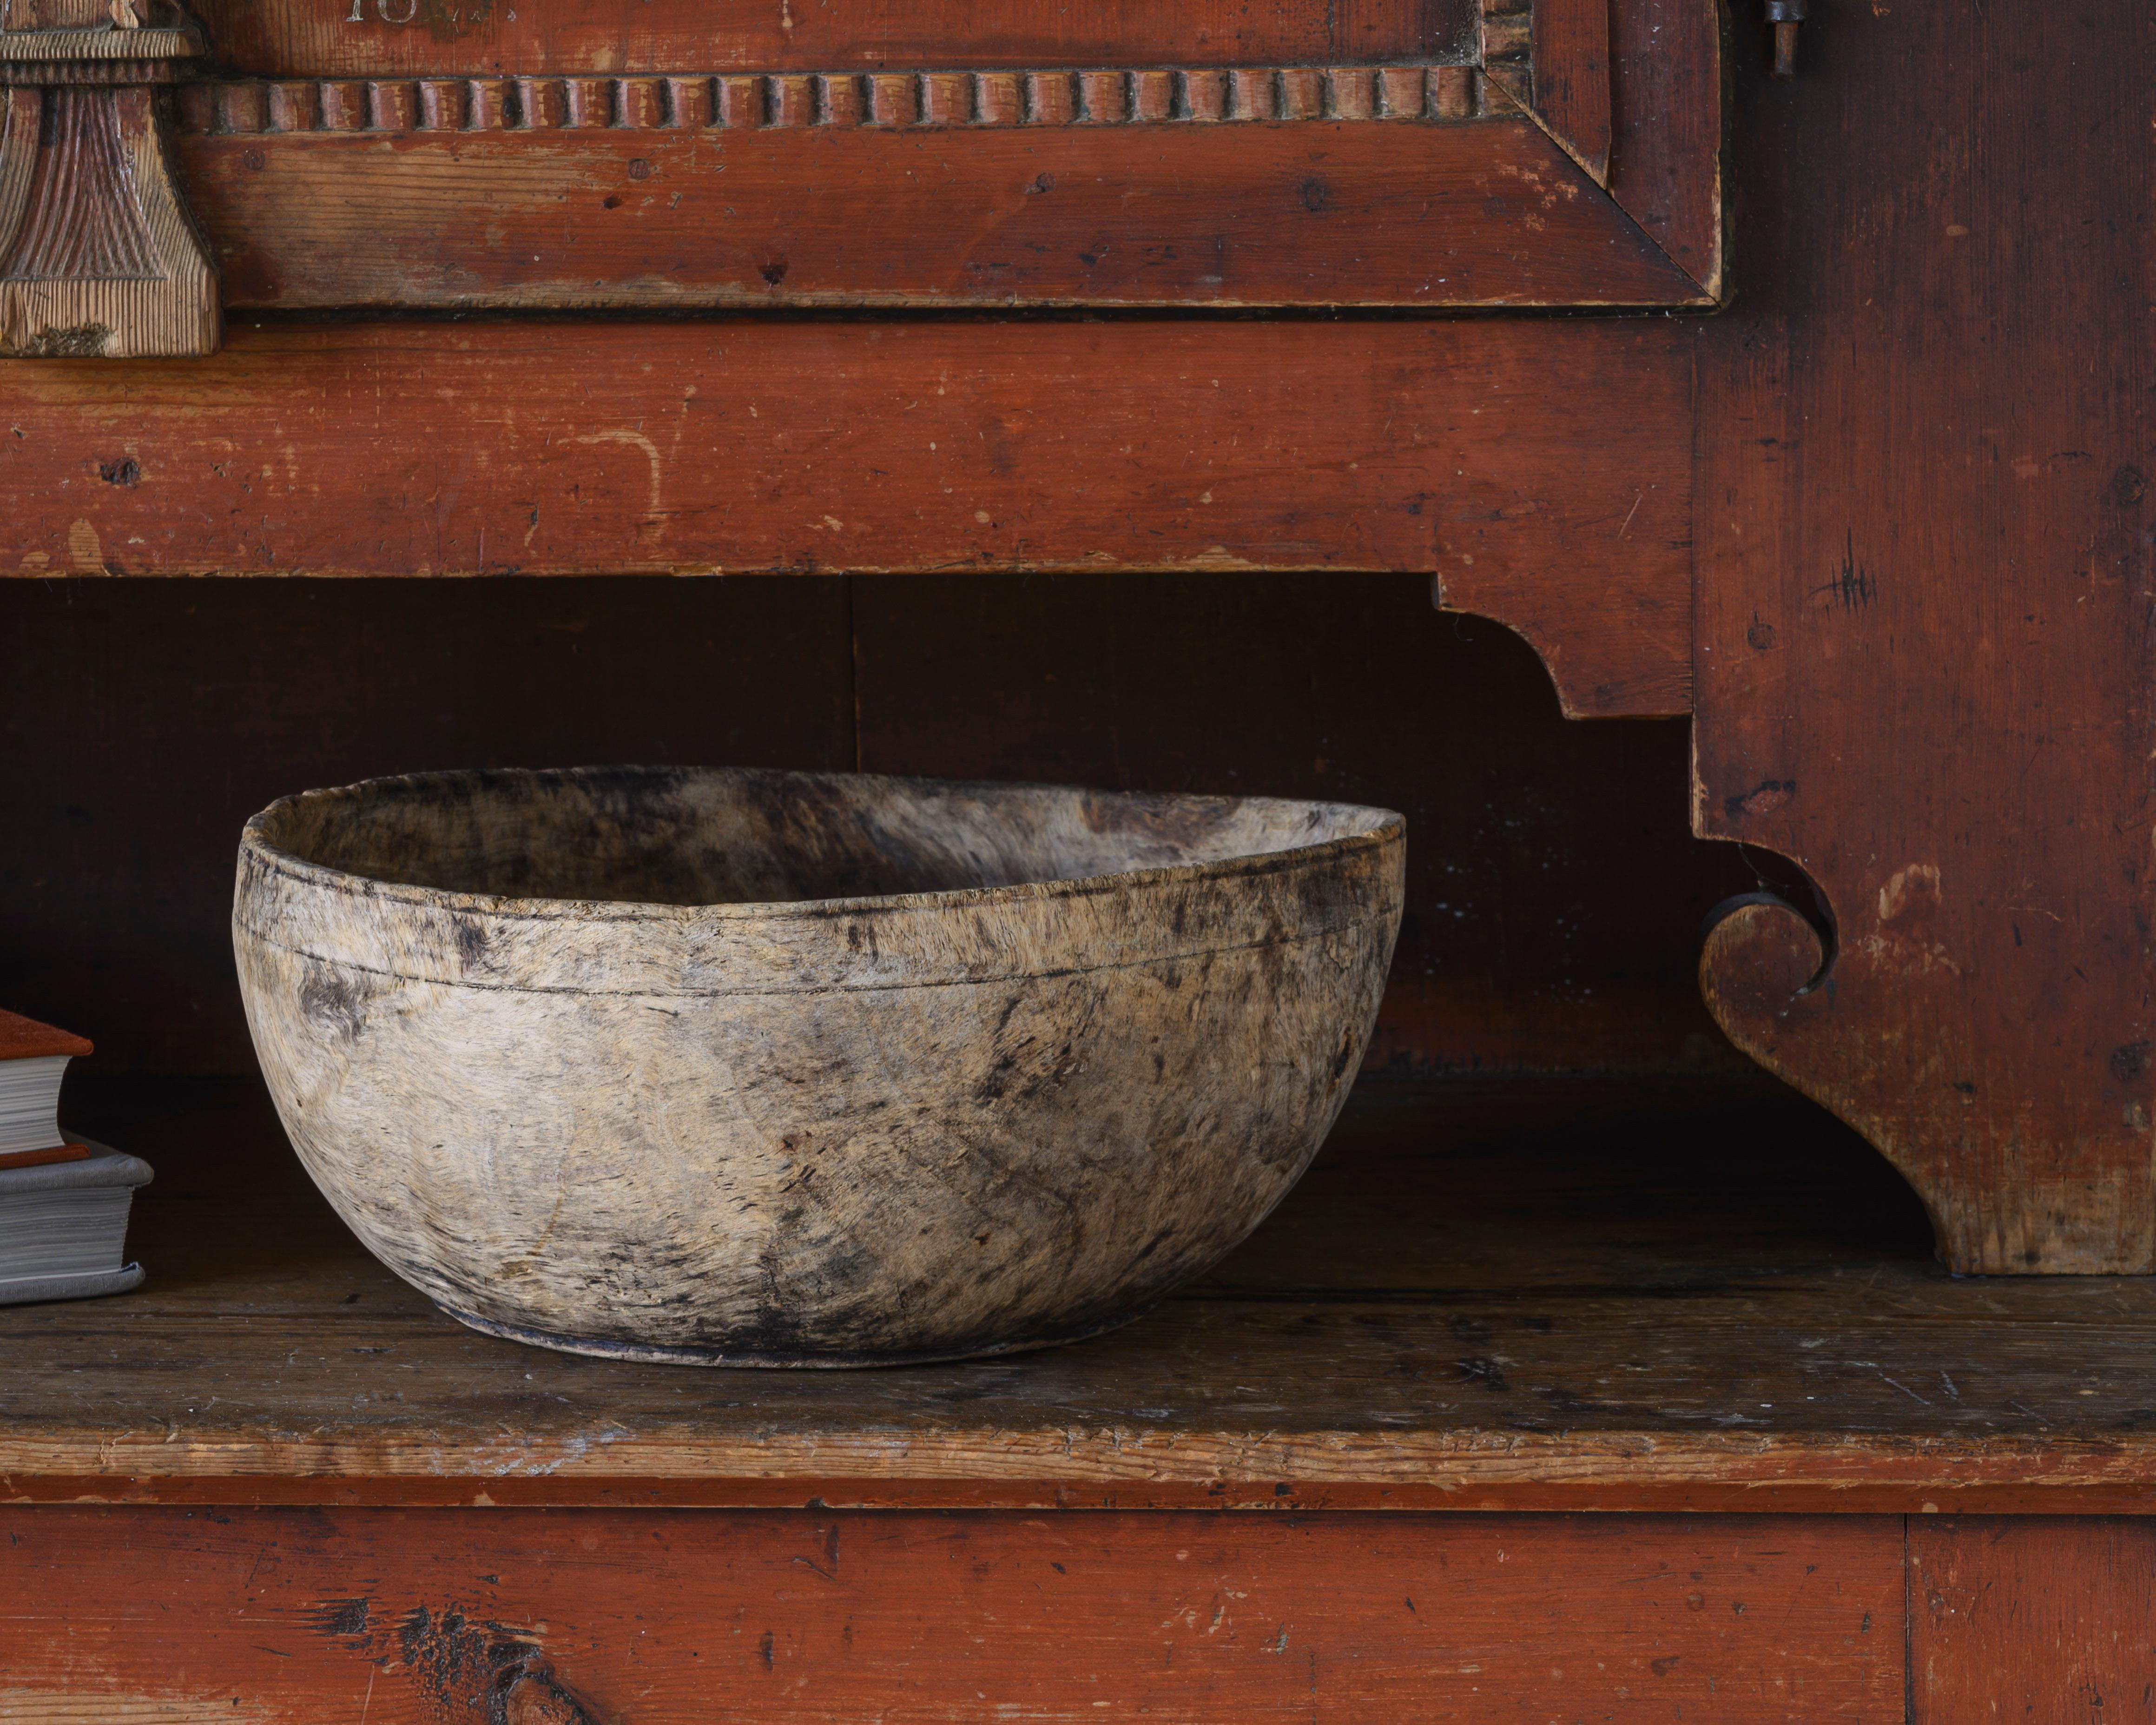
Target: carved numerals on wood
{"x":97,"y":256}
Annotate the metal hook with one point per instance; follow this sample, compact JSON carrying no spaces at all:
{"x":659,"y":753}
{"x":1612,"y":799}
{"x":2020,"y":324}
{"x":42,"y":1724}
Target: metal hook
{"x":1783,"y":17}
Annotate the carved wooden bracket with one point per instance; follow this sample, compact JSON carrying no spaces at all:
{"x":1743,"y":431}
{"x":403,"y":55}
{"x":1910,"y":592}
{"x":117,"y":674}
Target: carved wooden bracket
{"x":97,"y":256}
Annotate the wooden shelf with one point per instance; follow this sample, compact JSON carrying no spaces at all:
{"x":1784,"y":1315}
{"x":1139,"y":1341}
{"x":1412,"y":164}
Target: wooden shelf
{"x":1538,"y":1294}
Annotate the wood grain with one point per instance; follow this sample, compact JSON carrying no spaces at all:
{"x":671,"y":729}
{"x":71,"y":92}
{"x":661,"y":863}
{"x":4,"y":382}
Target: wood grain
{"x":1923,"y":655}
{"x":1570,"y":90}
{"x":2031,"y":1618}
{"x":1439,"y":448}
{"x":1668,"y":119}
{"x":1373,"y":213}
{"x":97,"y":256}
{"x":373,"y":179}
{"x":1546,"y":1297}
{"x":298,"y":1615}
{"x":79,"y":217}
{"x":453,"y":38}
{"x":464,"y":180}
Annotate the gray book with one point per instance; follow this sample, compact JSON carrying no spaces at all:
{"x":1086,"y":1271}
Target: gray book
{"x":64,"y":1227}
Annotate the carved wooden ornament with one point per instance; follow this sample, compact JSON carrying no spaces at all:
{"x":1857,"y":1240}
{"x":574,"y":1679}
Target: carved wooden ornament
{"x":98,"y":258}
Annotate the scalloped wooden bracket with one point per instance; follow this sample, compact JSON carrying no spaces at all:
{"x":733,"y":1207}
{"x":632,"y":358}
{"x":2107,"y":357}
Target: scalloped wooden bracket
{"x":1871,"y":1033}
{"x":98,"y":259}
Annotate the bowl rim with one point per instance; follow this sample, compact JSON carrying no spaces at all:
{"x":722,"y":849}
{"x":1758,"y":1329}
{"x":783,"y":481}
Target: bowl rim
{"x":1375,"y":829}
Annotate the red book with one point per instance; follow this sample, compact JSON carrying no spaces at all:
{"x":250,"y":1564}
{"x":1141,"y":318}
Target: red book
{"x":63,"y":1205}
{"x":44,"y":1159}
{"x":23,"y":1038}
{"x":34,"y":1058}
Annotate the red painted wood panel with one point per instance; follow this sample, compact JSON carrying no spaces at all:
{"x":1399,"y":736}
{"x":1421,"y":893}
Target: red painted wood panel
{"x":1302,"y":213}
{"x":398,"y":1616}
{"x":1572,"y":77}
{"x":1542,"y":471}
{"x":1668,"y":121}
{"x":1925,"y":657}
{"x":2043,"y":1619}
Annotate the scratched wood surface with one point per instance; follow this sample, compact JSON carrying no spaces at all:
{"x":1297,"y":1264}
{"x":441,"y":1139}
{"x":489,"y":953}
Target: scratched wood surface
{"x":1412,"y":214}
{"x":402,"y":1617}
{"x":1544,"y":1297}
{"x":2036,"y":1618}
{"x":1668,"y":127}
{"x":1568,"y":54}
{"x":1005,"y":1065}
{"x":743,"y":446}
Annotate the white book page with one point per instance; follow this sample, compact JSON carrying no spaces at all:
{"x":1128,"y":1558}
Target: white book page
{"x":30,"y":1103}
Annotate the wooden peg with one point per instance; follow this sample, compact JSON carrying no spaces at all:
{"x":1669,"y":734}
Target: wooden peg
{"x":1783,"y":17}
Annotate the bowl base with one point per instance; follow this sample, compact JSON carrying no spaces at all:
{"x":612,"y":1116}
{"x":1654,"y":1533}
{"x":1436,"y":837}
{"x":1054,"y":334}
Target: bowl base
{"x":757,"y":1359}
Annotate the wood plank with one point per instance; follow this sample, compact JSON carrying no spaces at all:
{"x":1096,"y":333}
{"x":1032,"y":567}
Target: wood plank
{"x":1960,"y":762}
{"x":1481,"y":1298}
{"x":1668,"y":119}
{"x":377,"y":38}
{"x":1569,"y":92}
{"x":276,"y":1616}
{"x":1319,"y":213}
{"x":742,"y":446}
{"x":2031,"y":1618}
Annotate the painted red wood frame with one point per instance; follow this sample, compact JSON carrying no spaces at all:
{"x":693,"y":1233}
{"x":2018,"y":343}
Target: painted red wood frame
{"x":1393,"y":154}
{"x":560,"y":1618}
{"x":572,"y":1618}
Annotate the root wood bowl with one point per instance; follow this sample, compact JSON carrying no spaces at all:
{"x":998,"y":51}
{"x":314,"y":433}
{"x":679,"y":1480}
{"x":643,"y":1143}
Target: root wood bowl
{"x":751,"y":1068}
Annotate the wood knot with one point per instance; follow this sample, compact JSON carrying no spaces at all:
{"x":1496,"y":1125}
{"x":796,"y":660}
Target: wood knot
{"x":535,"y":1696}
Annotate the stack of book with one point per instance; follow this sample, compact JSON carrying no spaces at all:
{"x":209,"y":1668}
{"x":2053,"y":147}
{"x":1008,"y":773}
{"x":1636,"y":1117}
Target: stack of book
{"x":64,"y":1200}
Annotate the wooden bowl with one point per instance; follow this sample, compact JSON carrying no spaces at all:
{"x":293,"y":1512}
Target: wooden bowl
{"x":749,"y":1068}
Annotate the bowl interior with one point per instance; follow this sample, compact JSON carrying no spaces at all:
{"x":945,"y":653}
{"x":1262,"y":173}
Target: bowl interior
{"x":704,"y":836}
